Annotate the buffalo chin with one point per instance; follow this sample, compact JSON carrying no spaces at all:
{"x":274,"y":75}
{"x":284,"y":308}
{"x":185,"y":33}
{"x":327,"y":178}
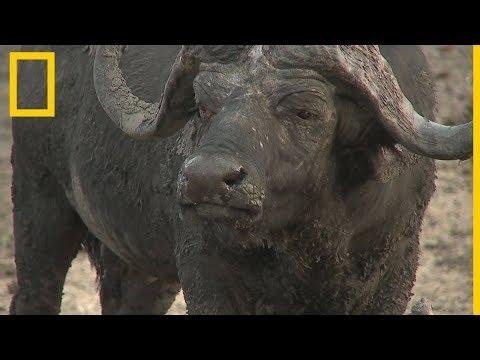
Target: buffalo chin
{"x":238,"y":218}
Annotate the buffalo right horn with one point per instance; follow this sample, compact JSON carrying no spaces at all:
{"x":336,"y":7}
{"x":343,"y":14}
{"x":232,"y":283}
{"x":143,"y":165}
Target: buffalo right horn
{"x":134,"y":116}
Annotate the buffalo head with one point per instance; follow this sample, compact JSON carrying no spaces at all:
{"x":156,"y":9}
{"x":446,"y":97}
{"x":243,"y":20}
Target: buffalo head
{"x":272,"y":123}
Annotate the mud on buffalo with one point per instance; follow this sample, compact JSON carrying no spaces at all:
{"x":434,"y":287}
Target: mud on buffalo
{"x":260,"y":179}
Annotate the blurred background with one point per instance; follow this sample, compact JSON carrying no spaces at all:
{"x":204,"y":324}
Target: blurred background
{"x":445,"y":272}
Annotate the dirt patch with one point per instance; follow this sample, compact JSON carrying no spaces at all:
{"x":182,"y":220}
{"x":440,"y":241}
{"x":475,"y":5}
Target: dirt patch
{"x":7,"y":268}
{"x":445,"y":272}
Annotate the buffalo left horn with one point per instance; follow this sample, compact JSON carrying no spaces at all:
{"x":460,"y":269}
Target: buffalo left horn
{"x":366,"y":73}
{"x":370,"y":73}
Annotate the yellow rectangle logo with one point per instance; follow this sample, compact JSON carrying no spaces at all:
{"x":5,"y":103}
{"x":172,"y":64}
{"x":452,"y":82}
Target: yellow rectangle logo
{"x":49,"y":57}
{"x":476,"y":179}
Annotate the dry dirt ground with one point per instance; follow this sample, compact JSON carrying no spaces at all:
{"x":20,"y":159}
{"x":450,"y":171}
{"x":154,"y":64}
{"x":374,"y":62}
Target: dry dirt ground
{"x":445,"y":272}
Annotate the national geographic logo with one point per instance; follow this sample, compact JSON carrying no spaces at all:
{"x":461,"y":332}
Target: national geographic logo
{"x":476,"y":180}
{"x":49,"y":110}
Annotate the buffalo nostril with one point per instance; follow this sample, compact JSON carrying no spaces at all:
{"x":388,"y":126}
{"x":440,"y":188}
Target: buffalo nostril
{"x":235,"y":176}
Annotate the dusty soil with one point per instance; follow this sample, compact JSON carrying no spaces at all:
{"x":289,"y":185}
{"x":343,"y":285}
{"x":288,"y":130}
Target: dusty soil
{"x":445,"y":272}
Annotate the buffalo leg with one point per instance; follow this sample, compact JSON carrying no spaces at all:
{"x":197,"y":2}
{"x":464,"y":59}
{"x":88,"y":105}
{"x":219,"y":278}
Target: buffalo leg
{"x":47,"y":235}
{"x":124,"y":290}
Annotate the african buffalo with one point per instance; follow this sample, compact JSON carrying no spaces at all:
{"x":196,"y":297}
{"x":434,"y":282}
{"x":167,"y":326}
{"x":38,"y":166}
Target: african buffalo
{"x":260,"y":179}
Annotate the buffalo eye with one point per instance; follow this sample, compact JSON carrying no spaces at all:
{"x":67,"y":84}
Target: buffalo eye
{"x":304,"y":114}
{"x":205,"y":112}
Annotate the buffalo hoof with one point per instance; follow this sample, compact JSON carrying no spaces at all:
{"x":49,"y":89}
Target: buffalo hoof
{"x":421,"y":307}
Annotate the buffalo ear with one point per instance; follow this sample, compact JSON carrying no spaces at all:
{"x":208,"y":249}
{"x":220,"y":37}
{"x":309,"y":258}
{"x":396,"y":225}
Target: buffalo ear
{"x":390,"y":162}
{"x":364,"y":151}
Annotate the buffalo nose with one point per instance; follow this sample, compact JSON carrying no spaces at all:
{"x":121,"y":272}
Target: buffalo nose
{"x":210,"y":178}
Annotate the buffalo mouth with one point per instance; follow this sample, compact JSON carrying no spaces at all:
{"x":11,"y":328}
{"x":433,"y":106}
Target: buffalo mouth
{"x":215,"y":211}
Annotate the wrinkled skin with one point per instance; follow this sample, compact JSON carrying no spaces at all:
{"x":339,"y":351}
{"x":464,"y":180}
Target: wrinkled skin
{"x":269,"y":200}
